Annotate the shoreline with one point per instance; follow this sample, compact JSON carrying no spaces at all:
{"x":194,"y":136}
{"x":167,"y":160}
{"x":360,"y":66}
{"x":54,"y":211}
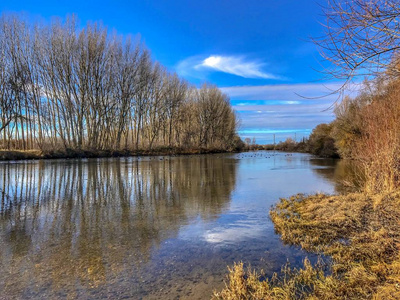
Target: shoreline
{"x":359,"y":232}
{"x":18,"y":155}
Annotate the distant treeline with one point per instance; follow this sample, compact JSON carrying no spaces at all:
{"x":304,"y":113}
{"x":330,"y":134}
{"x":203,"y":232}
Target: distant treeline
{"x":64,"y":88}
{"x":319,"y":143}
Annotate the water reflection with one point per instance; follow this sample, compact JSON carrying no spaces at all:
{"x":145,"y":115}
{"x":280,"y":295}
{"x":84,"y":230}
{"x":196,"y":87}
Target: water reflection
{"x":344,"y":174}
{"x":153,"y":228}
{"x":69,"y":226}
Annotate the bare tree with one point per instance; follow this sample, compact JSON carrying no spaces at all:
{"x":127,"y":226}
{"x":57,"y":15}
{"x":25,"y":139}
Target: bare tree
{"x":81,"y":89}
{"x":362,"y":37}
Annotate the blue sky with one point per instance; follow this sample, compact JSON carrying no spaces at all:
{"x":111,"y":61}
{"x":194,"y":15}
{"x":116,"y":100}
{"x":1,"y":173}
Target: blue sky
{"x":257,"y":51}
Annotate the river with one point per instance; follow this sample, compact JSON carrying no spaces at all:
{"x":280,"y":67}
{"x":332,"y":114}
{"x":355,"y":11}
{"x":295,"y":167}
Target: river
{"x":147,"y":228}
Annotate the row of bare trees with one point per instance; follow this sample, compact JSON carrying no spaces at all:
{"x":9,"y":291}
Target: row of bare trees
{"x":85,"y":89}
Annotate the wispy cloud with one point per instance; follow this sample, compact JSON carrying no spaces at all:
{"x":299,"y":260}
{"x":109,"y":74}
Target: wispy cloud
{"x":234,"y":65}
{"x":288,"y":92}
{"x":280,"y":109}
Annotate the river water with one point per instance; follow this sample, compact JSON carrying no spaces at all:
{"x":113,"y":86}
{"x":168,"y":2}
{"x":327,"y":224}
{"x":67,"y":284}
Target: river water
{"x":147,"y":228}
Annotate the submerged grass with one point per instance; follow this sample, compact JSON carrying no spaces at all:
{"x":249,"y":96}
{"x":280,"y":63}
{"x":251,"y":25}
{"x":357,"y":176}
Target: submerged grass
{"x":359,"y":231}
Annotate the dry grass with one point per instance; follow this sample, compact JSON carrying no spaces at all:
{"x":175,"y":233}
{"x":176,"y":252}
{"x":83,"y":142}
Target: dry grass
{"x":6,"y":155}
{"x":20,"y":154}
{"x":360,"y":232}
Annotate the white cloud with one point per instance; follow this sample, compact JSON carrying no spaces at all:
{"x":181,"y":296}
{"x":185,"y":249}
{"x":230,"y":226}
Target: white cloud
{"x":235,"y":65}
{"x":287,"y":92}
{"x":196,"y":66}
{"x":303,"y":116}
{"x":290,"y":111}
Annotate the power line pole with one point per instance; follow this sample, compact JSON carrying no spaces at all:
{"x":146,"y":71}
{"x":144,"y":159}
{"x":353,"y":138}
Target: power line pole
{"x":274,"y":143}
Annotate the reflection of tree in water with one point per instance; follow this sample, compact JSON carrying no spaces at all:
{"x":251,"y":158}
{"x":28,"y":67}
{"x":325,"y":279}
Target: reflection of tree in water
{"x":343,"y":173}
{"x":66,"y":221}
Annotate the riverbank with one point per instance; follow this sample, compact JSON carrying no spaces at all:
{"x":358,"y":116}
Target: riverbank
{"x":8,"y":155}
{"x":359,"y":232}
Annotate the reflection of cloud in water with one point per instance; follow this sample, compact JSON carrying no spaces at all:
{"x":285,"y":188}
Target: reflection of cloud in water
{"x":126,"y":227}
{"x":229,"y":229}
{"x":233,"y":233}
{"x":76,"y":225}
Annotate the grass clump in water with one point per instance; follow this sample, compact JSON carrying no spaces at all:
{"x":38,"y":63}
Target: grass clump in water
{"x":359,"y":231}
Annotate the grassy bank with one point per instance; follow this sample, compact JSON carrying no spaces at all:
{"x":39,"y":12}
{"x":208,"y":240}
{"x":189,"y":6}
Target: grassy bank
{"x":359,"y":232}
{"x":6,"y":155}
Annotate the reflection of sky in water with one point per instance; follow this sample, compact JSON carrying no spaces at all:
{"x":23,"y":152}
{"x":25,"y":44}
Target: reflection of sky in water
{"x":262,"y":179}
{"x":228,"y":229}
{"x":151,"y":228}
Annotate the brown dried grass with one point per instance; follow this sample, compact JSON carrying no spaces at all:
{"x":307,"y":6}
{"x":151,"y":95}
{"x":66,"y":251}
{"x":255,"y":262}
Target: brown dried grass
{"x":360,"y":232}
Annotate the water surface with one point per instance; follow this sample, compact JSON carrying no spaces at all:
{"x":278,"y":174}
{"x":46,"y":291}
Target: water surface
{"x":146,"y":228}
